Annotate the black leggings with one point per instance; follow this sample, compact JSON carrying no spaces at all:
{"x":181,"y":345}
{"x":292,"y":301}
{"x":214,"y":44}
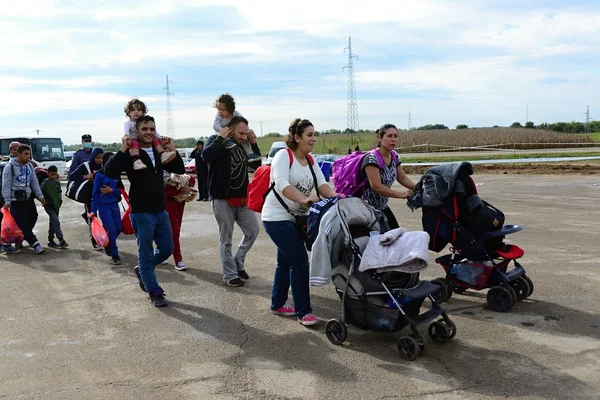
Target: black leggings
{"x":392,"y":222}
{"x":23,"y":212}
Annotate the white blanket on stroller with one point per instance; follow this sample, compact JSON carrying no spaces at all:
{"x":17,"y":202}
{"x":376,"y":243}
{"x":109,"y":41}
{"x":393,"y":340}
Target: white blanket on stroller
{"x":396,"y":250}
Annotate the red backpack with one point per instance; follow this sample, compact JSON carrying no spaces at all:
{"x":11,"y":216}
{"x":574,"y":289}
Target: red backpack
{"x":261,"y":185}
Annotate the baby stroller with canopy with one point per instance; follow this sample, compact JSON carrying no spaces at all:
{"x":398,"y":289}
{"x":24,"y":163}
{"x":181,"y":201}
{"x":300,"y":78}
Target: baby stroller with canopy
{"x":384,"y":299}
{"x":454,"y":213}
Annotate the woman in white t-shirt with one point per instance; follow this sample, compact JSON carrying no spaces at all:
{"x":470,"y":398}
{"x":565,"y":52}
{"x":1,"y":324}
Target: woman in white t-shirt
{"x":295,"y":187}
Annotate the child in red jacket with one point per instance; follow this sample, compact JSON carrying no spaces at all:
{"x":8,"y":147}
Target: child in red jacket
{"x":179,"y":189}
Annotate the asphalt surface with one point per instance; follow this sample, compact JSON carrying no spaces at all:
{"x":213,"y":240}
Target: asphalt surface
{"x":75,"y":327}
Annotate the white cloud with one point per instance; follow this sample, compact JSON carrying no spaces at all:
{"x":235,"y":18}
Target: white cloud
{"x":20,"y":82}
{"x":452,"y":63}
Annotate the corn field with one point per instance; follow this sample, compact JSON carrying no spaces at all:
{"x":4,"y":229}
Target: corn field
{"x":458,"y":140}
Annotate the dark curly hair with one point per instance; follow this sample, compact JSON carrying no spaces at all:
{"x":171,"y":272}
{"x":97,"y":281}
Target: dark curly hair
{"x":227,"y":100}
{"x":133,"y":104}
{"x":297,"y":127}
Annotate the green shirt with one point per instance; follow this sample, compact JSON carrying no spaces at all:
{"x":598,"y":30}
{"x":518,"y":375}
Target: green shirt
{"x":52,"y":193}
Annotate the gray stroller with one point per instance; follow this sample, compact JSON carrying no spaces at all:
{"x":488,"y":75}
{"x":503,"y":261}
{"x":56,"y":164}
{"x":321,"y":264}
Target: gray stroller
{"x":385,"y":300}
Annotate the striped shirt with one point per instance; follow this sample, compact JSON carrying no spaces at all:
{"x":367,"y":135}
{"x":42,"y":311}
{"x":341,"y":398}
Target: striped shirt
{"x":221,"y":123}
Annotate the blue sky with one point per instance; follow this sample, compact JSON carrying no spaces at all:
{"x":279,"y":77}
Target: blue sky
{"x":69,"y":67}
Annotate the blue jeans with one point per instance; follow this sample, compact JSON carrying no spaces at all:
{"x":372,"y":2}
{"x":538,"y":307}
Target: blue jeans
{"x":292,"y":267}
{"x":111,"y":219}
{"x":149,"y":228}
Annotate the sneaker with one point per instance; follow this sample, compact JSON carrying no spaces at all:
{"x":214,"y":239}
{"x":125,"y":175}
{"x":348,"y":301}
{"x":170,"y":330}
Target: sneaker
{"x":252,"y":158}
{"x":243,"y":274}
{"x":156,"y":252}
{"x":136,"y":269}
{"x":62,"y":244}
{"x":19,"y":245}
{"x":167,"y":157}
{"x":52,"y":244}
{"x":285,"y":310}
{"x":139,"y":164}
{"x":308,"y":320}
{"x":235,"y":282}
{"x":8,"y":249}
{"x":157,"y":298}
{"x":38,"y":248}
{"x":97,"y":247}
{"x":116,"y":260}
{"x":229,"y":144}
{"x":180,"y":266}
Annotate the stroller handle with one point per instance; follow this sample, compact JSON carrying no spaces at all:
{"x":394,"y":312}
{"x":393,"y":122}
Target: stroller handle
{"x":506,"y":230}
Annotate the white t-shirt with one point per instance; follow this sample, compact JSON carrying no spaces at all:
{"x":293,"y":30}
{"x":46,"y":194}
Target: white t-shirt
{"x":129,"y":129}
{"x":298,"y":176}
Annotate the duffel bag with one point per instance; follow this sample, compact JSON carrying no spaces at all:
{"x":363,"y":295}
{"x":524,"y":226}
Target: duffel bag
{"x":81,"y":192}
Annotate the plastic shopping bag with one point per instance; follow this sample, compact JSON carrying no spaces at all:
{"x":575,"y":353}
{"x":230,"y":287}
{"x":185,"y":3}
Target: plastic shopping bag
{"x":126,"y":218}
{"x":99,"y":233}
{"x":10,"y":231}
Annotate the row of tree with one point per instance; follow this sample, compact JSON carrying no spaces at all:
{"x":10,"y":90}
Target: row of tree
{"x":189,"y":142}
{"x":564,"y":127}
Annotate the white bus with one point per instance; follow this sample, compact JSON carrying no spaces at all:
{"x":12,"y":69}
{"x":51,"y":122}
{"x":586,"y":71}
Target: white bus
{"x":45,"y":151}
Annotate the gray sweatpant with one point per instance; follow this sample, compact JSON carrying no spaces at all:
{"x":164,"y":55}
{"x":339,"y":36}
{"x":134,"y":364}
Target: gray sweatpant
{"x":246,"y":219}
{"x":54,"y":228}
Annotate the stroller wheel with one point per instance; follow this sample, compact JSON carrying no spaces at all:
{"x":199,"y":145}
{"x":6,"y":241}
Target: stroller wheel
{"x":409,"y":348}
{"x":444,"y":293}
{"x":454,"y":287}
{"x":420,"y":341}
{"x":500,"y":298}
{"x":449,"y":324}
{"x":530,"y":285}
{"x":512,"y":291}
{"x":336,"y":331}
{"x":440,"y":332}
{"x":521,"y":287}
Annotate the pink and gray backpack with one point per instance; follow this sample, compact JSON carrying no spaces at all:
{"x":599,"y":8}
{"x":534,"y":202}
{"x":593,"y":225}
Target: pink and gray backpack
{"x":349,"y":180}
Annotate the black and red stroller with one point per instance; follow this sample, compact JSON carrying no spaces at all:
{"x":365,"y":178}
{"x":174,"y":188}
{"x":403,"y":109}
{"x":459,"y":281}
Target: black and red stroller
{"x":383,"y":299}
{"x":454,"y":213}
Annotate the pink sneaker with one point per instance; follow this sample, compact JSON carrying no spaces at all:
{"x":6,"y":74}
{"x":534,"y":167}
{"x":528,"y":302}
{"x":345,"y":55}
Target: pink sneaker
{"x":309,"y":320}
{"x":285,"y":310}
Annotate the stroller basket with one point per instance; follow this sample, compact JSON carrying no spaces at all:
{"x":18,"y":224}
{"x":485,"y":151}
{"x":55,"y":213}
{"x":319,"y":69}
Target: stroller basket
{"x":366,"y":313}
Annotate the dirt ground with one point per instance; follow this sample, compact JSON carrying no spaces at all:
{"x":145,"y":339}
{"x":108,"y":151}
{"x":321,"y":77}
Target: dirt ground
{"x":75,"y":327}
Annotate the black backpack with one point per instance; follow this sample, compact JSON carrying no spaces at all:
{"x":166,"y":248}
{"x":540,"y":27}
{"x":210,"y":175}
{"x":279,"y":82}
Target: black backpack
{"x":481,"y":218}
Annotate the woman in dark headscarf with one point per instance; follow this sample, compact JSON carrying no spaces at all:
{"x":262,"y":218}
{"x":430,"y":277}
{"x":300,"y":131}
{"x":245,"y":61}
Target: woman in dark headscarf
{"x":86,"y":172}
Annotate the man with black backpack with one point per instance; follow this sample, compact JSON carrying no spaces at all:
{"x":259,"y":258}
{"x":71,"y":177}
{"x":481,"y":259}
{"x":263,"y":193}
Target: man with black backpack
{"x":228,"y":190}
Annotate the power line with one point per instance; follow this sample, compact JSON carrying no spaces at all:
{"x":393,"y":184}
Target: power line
{"x":352,"y":119}
{"x":586,"y":128}
{"x":170,"y":127}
